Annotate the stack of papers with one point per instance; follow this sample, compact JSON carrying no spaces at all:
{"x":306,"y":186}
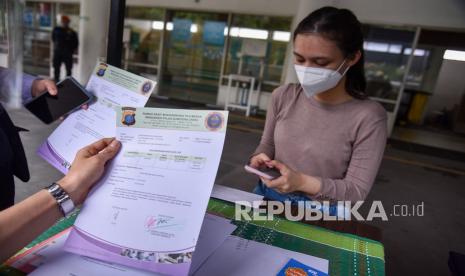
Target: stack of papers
{"x":241,"y":257}
{"x":49,"y":257}
{"x":217,"y":253}
{"x":112,"y":87}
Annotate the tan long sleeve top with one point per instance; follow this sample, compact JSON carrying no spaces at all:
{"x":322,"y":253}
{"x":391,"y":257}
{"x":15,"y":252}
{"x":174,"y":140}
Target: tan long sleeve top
{"x":340,"y":144}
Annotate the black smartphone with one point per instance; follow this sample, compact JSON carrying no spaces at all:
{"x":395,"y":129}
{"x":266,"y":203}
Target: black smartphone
{"x":48,"y":108}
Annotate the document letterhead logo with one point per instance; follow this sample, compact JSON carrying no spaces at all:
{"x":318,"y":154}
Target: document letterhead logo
{"x":146,"y":87}
{"x":101,"y":69}
{"x":214,"y":121}
{"x":128,"y":116}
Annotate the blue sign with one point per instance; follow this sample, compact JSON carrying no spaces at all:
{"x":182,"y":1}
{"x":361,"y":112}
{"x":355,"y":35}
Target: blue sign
{"x":45,"y":20}
{"x":28,"y":18}
{"x":213,"y":32}
{"x":181,"y":30}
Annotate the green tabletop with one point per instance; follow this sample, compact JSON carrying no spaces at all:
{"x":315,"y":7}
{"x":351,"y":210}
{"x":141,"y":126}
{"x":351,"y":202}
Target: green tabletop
{"x":347,"y":254}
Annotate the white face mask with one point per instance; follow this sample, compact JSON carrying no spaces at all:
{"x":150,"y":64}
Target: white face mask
{"x":316,"y":80}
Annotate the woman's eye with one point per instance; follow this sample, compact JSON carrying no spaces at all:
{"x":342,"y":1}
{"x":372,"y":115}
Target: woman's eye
{"x":322,"y":64}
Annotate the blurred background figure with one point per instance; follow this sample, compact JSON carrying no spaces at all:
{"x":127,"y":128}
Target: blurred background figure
{"x":65,"y":43}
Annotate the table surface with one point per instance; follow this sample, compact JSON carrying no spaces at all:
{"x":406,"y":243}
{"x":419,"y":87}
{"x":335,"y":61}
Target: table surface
{"x":352,"y":226}
{"x":348,"y":254}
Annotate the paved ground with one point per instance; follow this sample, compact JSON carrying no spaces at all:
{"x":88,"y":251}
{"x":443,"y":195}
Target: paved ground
{"x":413,"y":245}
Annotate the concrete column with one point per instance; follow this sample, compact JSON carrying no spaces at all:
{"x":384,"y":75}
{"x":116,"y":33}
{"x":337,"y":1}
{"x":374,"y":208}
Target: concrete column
{"x":304,"y":8}
{"x":93,"y":33}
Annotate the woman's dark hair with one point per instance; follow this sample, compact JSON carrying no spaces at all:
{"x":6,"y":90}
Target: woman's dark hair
{"x":342,"y":27}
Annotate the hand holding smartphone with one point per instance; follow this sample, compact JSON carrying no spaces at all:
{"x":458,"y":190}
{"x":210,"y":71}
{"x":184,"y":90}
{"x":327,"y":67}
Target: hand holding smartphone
{"x":71,"y":96}
{"x":266,"y":172}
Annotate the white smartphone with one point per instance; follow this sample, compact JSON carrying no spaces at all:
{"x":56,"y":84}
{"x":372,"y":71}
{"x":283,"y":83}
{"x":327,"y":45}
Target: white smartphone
{"x":268,"y":173}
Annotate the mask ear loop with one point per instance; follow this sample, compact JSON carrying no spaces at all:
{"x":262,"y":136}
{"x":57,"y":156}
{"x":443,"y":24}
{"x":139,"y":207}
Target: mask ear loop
{"x":341,"y":66}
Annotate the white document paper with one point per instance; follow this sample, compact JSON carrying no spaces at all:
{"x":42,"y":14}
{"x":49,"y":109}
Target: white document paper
{"x":148,"y":209}
{"x":50,"y":259}
{"x":241,"y":257}
{"x":234,"y":195}
{"x":112,"y":87}
{"x":213,"y":233}
{"x":67,"y":264}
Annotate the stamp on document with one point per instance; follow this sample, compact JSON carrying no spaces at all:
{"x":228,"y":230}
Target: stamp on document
{"x":146,"y":87}
{"x":214,"y":121}
{"x":101,"y":69}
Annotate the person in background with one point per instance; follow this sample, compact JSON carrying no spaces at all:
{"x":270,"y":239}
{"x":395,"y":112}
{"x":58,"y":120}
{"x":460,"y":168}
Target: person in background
{"x":65,"y":43}
{"x":23,"y":222}
{"x":12,"y":157}
{"x":324,"y":135}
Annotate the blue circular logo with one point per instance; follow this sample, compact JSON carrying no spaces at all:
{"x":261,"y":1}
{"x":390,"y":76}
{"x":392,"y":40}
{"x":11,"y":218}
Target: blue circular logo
{"x":214,"y":121}
{"x":146,"y":87}
{"x":129,"y":119}
{"x":101,"y":70}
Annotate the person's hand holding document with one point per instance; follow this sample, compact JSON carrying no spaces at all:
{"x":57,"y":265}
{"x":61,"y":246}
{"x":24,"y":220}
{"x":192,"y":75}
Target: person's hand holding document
{"x":91,"y":160}
{"x":148,"y":209}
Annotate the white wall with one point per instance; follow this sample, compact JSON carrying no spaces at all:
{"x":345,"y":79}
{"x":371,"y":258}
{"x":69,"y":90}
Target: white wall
{"x":426,"y":13}
{"x":450,"y":86}
{"x":262,"y":7}
{"x":3,"y":60}
{"x":93,"y":33}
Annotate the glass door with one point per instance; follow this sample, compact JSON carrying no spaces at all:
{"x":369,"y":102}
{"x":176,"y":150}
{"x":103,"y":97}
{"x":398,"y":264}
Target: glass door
{"x":144,"y":27}
{"x":193,"y":53}
{"x":388,"y":57}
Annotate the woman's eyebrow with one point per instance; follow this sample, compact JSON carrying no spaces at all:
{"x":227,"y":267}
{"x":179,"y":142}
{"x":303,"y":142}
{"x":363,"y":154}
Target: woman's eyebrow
{"x":312,"y":58}
{"x":298,"y":55}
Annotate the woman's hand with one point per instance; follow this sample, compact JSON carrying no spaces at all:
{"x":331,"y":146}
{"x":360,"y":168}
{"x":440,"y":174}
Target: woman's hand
{"x":259,"y":160}
{"x":40,"y":85}
{"x":291,"y":181}
{"x":24,"y":221}
{"x":87,"y":168}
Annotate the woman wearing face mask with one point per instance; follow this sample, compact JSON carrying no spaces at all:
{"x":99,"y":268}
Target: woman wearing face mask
{"x":323,"y":135}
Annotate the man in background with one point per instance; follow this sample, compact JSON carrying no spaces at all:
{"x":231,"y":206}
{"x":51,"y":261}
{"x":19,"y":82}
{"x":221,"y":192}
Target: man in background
{"x":65,"y":43}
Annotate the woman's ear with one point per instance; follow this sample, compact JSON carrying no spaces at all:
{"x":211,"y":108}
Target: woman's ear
{"x":355,"y":58}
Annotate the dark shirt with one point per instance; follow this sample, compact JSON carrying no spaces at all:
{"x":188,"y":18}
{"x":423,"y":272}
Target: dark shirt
{"x":65,"y":40}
